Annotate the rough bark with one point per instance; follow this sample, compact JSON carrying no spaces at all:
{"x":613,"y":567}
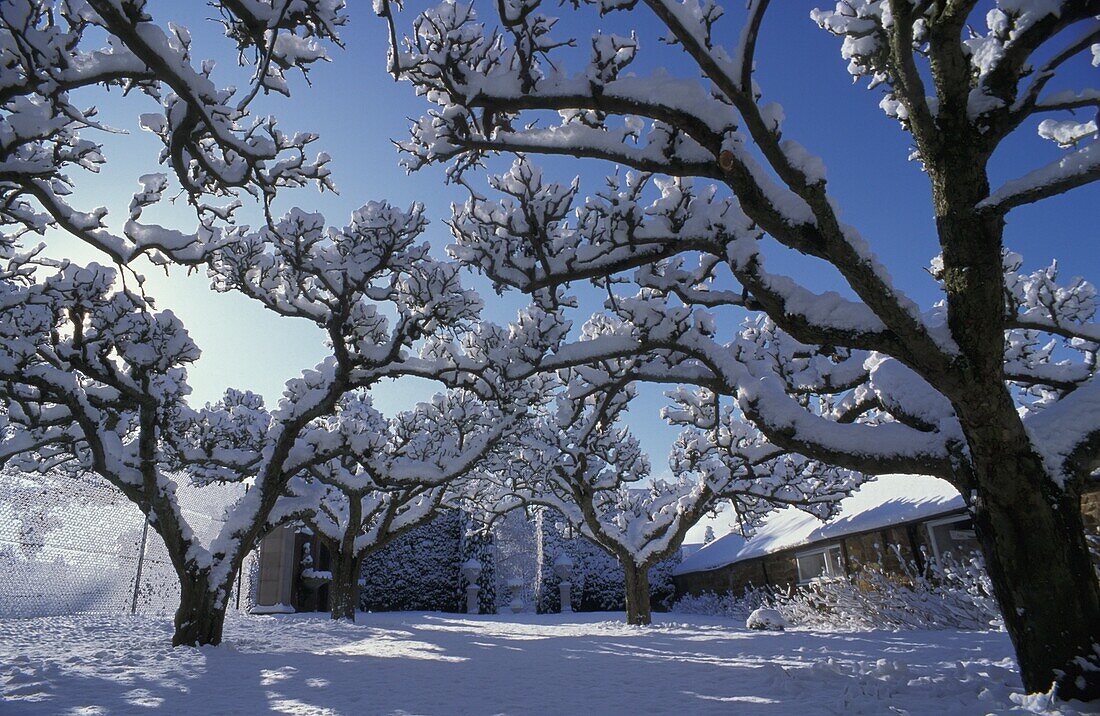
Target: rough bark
{"x":1030,"y":530}
{"x":343,"y":592}
{"x":637,"y":594}
{"x":201,"y":613}
{"x":1037,"y":557}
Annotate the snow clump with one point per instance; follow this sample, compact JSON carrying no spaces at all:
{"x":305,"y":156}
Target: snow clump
{"x":767,"y":619}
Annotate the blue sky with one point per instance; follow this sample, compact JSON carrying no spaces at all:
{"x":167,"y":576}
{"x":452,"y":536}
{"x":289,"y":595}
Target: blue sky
{"x":357,"y":109}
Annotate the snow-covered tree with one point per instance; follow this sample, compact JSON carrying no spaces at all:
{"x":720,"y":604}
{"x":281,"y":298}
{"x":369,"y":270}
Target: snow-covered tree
{"x":392,"y":480}
{"x":994,"y":389}
{"x":580,"y":461}
{"x":92,"y":378}
{"x":354,"y":518}
{"x":597,"y":577}
{"x":708,"y":535}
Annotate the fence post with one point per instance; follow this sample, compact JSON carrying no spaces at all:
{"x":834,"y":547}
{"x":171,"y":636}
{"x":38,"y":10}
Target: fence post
{"x":240,"y":570}
{"x":140,"y":564}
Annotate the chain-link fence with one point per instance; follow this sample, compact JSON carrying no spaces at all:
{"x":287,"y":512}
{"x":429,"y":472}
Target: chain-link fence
{"x":76,"y":544}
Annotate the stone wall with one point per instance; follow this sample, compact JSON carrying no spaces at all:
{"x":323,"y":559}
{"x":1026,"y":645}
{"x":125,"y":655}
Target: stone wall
{"x":734,"y":578}
{"x":781,"y":569}
{"x":1090,"y":509}
{"x":1090,"y":514}
{"x":881,"y":548}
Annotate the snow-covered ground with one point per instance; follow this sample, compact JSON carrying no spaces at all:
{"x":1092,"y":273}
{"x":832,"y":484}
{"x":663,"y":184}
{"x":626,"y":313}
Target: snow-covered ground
{"x":416,"y":663}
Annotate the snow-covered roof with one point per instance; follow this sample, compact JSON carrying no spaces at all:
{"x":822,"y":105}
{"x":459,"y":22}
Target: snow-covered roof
{"x":888,"y":500}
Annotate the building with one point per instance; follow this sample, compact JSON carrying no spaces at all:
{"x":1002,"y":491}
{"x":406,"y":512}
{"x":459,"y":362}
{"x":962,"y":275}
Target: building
{"x":894,"y":518}
{"x":916,"y":517}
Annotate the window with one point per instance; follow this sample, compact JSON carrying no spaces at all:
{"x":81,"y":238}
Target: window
{"x":818,"y":563}
{"x":952,"y":535}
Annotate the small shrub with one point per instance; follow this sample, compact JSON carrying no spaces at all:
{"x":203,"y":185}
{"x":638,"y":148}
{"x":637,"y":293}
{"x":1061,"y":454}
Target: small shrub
{"x":954,"y":595}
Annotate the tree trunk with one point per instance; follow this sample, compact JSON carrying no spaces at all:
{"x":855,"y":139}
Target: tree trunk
{"x":1030,"y":529}
{"x":1033,"y":540}
{"x":343,"y":592}
{"x":1038,"y":560}
{"x":201,"y":614}
{"x":637,"y":593}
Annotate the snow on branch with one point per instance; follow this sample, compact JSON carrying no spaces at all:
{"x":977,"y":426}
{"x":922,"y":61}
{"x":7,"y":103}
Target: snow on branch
{"x":714,"y":178}
{"x":580,"y":461}
{"x":1079,"y":167}
{"x":390,"y":475}
{"x":536,"y":237}
{"x":216,"y":149}
{"x":679,"y":128}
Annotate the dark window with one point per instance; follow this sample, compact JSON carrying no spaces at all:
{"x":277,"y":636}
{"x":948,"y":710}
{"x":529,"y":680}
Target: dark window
{"x":952,"y":536}
{"x":819,"y":563}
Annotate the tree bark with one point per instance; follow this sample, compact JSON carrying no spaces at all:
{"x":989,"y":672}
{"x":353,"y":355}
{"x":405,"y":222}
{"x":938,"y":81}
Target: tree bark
{"x":201,"y":613}
{"x":1030,"y":529}
{"x":1038,"y":560}
{"x":637,"y":593}
{"x":344,"y":588}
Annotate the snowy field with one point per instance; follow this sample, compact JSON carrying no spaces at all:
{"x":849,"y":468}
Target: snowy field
{"x":416,"y":663}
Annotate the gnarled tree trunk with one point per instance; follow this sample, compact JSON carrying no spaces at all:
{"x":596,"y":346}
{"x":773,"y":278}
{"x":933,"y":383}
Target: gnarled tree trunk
{"x":1035,"y":551}
{"x":343,"y":592}
{"x":1030,"y":530}
{"x":201,"y":613}
{"x":637,"y":593}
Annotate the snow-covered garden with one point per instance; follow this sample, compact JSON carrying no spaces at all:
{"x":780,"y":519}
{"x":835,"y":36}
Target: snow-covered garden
{"x":467,"y":325}
{"x":431,"y":663}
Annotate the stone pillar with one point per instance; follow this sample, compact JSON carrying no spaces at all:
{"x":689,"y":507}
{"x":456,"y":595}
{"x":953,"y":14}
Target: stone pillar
{"x":563,"y":567}
{"x":516,"y":605}
{"x":471,"y":569}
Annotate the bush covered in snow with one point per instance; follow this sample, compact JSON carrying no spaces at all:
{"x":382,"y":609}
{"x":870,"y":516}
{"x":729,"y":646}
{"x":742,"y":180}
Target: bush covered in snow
{"x":957,"y":595}
{"x":735,"y":607}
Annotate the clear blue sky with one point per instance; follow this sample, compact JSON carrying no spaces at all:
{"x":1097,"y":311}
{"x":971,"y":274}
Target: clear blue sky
{"x":357,"y":109}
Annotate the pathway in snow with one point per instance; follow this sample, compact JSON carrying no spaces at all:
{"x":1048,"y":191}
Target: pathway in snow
{"x":414,"y":663}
